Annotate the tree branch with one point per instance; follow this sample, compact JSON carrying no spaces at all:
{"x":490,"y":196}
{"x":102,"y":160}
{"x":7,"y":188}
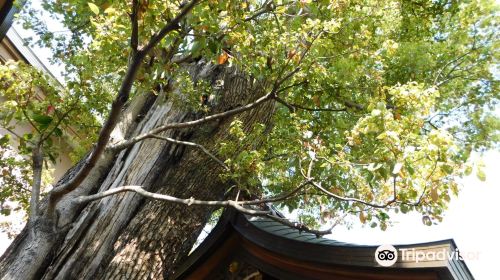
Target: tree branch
{"x":292,"y":107}
{"x":58,"y":192}
{"x":277,"y":198}
{"x":58,"y":123}
{"x":352,"y":199}
{"x":190,"y":201}
{"x":37,"y":156}
{"x":307,"y":176}
{"x":271,"y":95}
{"x":416,"y":203}
{"x":191,"y":144}
{"x":266,"y":7}
{"x":238,"y":205}
{"x":291,"y":86}
{"x":172,"y":25}
{"x":123,"y":94}
{"x":31,"y":122}
{"x":127,"y":143}
{"x":17,"y":135}
{"x":300,"y":226}
{"x":134,"y":38}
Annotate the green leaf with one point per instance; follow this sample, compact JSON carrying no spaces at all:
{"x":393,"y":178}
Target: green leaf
{"x":58,"y":132}
{"x":28,"y":136}
{"x":109,"y":10}
{"x":42,"y":119}
{"x":468,"y":170}
{"x":5,"y":211}
{"x":93,"y":7}
{"x":426,"y":220}
{"x":197,"y":46}
{"x":481,"y":175}
{"x":410,"y":169}
{"x":447,"y":168}
{"x":213,"y":47}
{"x":5,"y":139}
{"x":52,"y":158}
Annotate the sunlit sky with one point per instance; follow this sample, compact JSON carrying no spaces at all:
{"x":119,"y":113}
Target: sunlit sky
{"x":471,"y":219}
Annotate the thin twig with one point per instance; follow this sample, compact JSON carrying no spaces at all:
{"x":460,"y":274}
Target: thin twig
{"x":292,"y":107}
{"x":352,"y":199}
{"x":172,"y":25}
{"x":280,"y":197}
{"x":192,"y":144}
{"x":31,"y":122}
{"x":58,"y":123}
{"x":300,"y":226}
{"x":266,"y":8}
{"x":416,"y":203}
{"x":17,"y":135}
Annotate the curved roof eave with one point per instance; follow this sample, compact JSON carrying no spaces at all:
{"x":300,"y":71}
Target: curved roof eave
{"x":291,"y":243}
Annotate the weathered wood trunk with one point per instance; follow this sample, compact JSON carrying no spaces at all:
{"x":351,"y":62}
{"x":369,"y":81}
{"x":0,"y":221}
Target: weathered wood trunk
{"x":126,"y":236}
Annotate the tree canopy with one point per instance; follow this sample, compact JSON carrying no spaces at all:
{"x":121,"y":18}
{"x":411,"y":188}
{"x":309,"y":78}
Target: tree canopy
{"x":379,"y":103}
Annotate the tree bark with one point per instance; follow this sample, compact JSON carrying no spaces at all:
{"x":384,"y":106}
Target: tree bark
{"x":126,"y":236}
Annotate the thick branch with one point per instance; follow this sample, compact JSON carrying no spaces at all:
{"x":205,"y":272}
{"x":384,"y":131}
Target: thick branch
{"x":221,"y":203}
{"x":37,"y":157}
{"x":127,"y":143}
{"x":190,"y":201}
{"x":134,"y":37}
{"x":114,"y":114}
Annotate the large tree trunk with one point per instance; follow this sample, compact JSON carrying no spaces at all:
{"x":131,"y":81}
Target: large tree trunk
{"x":126,"y":236}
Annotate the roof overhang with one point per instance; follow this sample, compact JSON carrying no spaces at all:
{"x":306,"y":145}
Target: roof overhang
{"x":268,"y":248}
{"x":7,"y":11}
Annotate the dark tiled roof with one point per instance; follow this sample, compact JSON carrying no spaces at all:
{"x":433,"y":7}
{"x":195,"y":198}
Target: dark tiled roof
{"x":281,"y":230}
{"x":7,"y":12}
{"x":302,"y":247}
